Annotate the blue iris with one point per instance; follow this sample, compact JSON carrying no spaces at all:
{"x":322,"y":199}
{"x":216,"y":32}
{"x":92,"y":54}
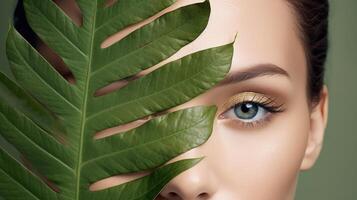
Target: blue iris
{"x":246,"y":110}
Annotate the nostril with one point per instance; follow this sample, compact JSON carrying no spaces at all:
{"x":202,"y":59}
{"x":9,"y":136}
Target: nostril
{"x":173,"y":194}
{"x":203,"y":196}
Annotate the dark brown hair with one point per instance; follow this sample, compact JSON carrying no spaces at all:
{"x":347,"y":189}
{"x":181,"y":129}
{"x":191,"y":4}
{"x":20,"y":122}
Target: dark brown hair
{"x":312,"y":17}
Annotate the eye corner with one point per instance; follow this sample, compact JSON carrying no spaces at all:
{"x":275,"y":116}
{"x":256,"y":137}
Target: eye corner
{"x":221,"y":116}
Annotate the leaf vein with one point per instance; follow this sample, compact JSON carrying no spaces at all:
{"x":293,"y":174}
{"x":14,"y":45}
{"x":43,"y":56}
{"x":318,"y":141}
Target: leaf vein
{"x":41,"y":78}
{"x":39,"y":147}
{"x":140,"y":145}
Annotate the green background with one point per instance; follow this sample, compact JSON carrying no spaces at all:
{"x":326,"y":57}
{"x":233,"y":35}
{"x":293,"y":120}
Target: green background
{"x":334,"y":176}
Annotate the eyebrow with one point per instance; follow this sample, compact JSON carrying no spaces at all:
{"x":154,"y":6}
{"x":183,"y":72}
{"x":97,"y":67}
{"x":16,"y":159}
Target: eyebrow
{"x":253,"y":72}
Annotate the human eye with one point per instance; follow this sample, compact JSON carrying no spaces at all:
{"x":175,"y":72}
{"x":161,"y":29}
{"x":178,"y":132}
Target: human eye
{"x":250,"y":109}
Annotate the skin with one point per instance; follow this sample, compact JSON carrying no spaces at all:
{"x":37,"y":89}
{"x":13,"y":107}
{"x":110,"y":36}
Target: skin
{"x":255,"y":161}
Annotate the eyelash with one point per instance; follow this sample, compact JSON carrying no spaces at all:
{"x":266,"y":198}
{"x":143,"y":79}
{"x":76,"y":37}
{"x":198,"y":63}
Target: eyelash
{"x":268,"y":104}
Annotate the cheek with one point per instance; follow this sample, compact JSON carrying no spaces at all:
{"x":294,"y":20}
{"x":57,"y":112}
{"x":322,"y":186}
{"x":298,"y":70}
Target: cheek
{"x":262,"y":162}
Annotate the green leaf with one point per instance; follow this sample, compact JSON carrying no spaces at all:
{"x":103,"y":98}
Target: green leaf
{"x":52,"y":122}
{"x":146,"y":187}
{"x":19,"y":183}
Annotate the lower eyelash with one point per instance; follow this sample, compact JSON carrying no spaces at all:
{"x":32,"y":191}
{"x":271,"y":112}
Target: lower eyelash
{"x":254,"y":124}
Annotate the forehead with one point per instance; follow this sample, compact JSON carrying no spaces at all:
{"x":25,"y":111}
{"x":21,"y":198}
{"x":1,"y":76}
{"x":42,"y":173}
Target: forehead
{"x":267,"y":33}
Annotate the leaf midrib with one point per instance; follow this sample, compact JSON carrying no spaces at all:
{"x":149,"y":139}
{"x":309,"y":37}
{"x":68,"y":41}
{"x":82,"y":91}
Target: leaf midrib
{"x":85,"y":98}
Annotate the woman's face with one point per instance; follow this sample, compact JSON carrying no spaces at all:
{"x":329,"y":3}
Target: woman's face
{"x":256,"y":149}
{"x":252,"y":157}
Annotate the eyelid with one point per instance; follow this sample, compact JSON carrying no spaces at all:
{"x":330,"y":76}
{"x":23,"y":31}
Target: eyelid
{"x":250,"y":97}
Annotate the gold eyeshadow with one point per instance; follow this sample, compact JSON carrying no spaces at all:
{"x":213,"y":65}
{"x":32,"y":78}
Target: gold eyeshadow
{"x":258,"y":98}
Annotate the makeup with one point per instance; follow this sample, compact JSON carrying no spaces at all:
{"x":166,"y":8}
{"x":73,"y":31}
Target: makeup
{"x":251,"y":109}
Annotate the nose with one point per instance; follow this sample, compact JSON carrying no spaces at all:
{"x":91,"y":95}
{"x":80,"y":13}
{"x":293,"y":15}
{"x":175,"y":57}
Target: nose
{"x":196,"y":183}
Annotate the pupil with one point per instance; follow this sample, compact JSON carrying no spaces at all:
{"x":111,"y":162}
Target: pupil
{"x":246,"y":107}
